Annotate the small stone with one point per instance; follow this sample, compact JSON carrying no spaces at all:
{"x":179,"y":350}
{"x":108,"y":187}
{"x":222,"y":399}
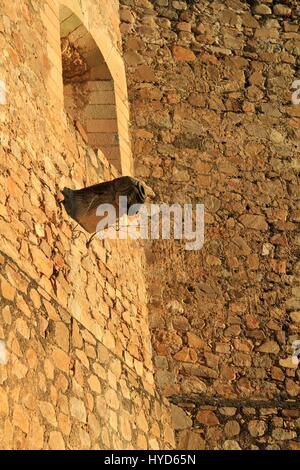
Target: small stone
{"x":153,"y":444}
{"x":141,"y":442}
{"x":182,"y":54}
{"x":125,"y":428}
{"x":257,"y":428}
{"x":294,"y":445}
{"x":227,"y":411}
{"x":186,"y":355}
{"x":133,"y":58}
{"x":90,"y":401}
{"x":105,"y":437}
{"x":191,"y":440}
{"x":48,"y":412}
{"x":276,"y":137}
{"x":262,"y":10}
{"x":85,"y":440}
{"x":94,"y":425}
{"x":227,"y":372}
{"x":277,"y":421}
{"x":200,"y":371}
{"x":36,"y":435}
{"x":112,"y":399}
{"x":56,"y":441}
{"x":194,"y":341}
{"x":273,"y":447}
{"x":282,"y":10}
{"x":49,"y":369}
{"x":62,"y":383}
{"x":22,"y":328}
{"x":207,"y":417}
{"x":183,"y":26}
{"x":64,"y":424}
{"x":193,"y":385}
{"x":169,"y":436}
{"x":277,"y":373}
{"x":35,"y":297}
{"x":94,"y":384}
{"x":7,"y":290}
{"x":101,"y":406}
{"x":253,"y":262}
{"x":288,"y":363}
{"x":175,"y":306}
{"x":292,"y":388}
{"x":269,"y":347}
{"x":83,"y":358}
{"x":267,"y":249}
{"x":6,"y":315}
{"x":76,"y":335}
{"x":179,"y":5}
{"x":19,"y":370}
{"x":232,"y":428}
{"x":268,"y":411}
{"x":180,"y":419}
{"x":142,"y":422}
{"x":61,"y":359}
{"x":40,"y":260}
{"x":283,"y":435}
{"x":3,"y":402}
{"x":62,"y":335}
{"x":244,"y":385}
{"x":256,"y":222}
{"x":295,"y":317}
{"x":231,"y":445}
{"x":233,"y":330}
{"x":32,"y":358}
{"x":77,"y":409}
{"x":109,"y":340}
{"x":39,"y":230}
{"x":213,"y":260}
{"x":21,"y":418}
{"x":3,"y":370}
{"x":144,"y":73}
{"x":222,"y":348}
{"x":127,"y":16}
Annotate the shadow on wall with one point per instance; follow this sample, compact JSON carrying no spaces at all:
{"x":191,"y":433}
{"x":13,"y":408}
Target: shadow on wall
{"x":89,"y":95}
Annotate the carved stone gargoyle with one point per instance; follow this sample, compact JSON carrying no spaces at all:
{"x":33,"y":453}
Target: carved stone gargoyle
{"x":81,"y":205}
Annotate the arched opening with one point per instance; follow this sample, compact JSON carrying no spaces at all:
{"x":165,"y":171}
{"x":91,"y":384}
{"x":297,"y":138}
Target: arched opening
{"x":89,"y":95}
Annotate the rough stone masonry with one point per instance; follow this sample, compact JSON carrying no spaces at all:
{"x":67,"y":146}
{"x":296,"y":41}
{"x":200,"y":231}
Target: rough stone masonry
{"x":213,"y":122}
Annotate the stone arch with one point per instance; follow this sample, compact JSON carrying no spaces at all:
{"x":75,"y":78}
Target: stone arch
{"x":94,"y":85}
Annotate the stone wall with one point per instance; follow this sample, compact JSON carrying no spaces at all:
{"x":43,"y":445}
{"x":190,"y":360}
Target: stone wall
{"x":212,"y":122}
{"x":73,"y":320}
